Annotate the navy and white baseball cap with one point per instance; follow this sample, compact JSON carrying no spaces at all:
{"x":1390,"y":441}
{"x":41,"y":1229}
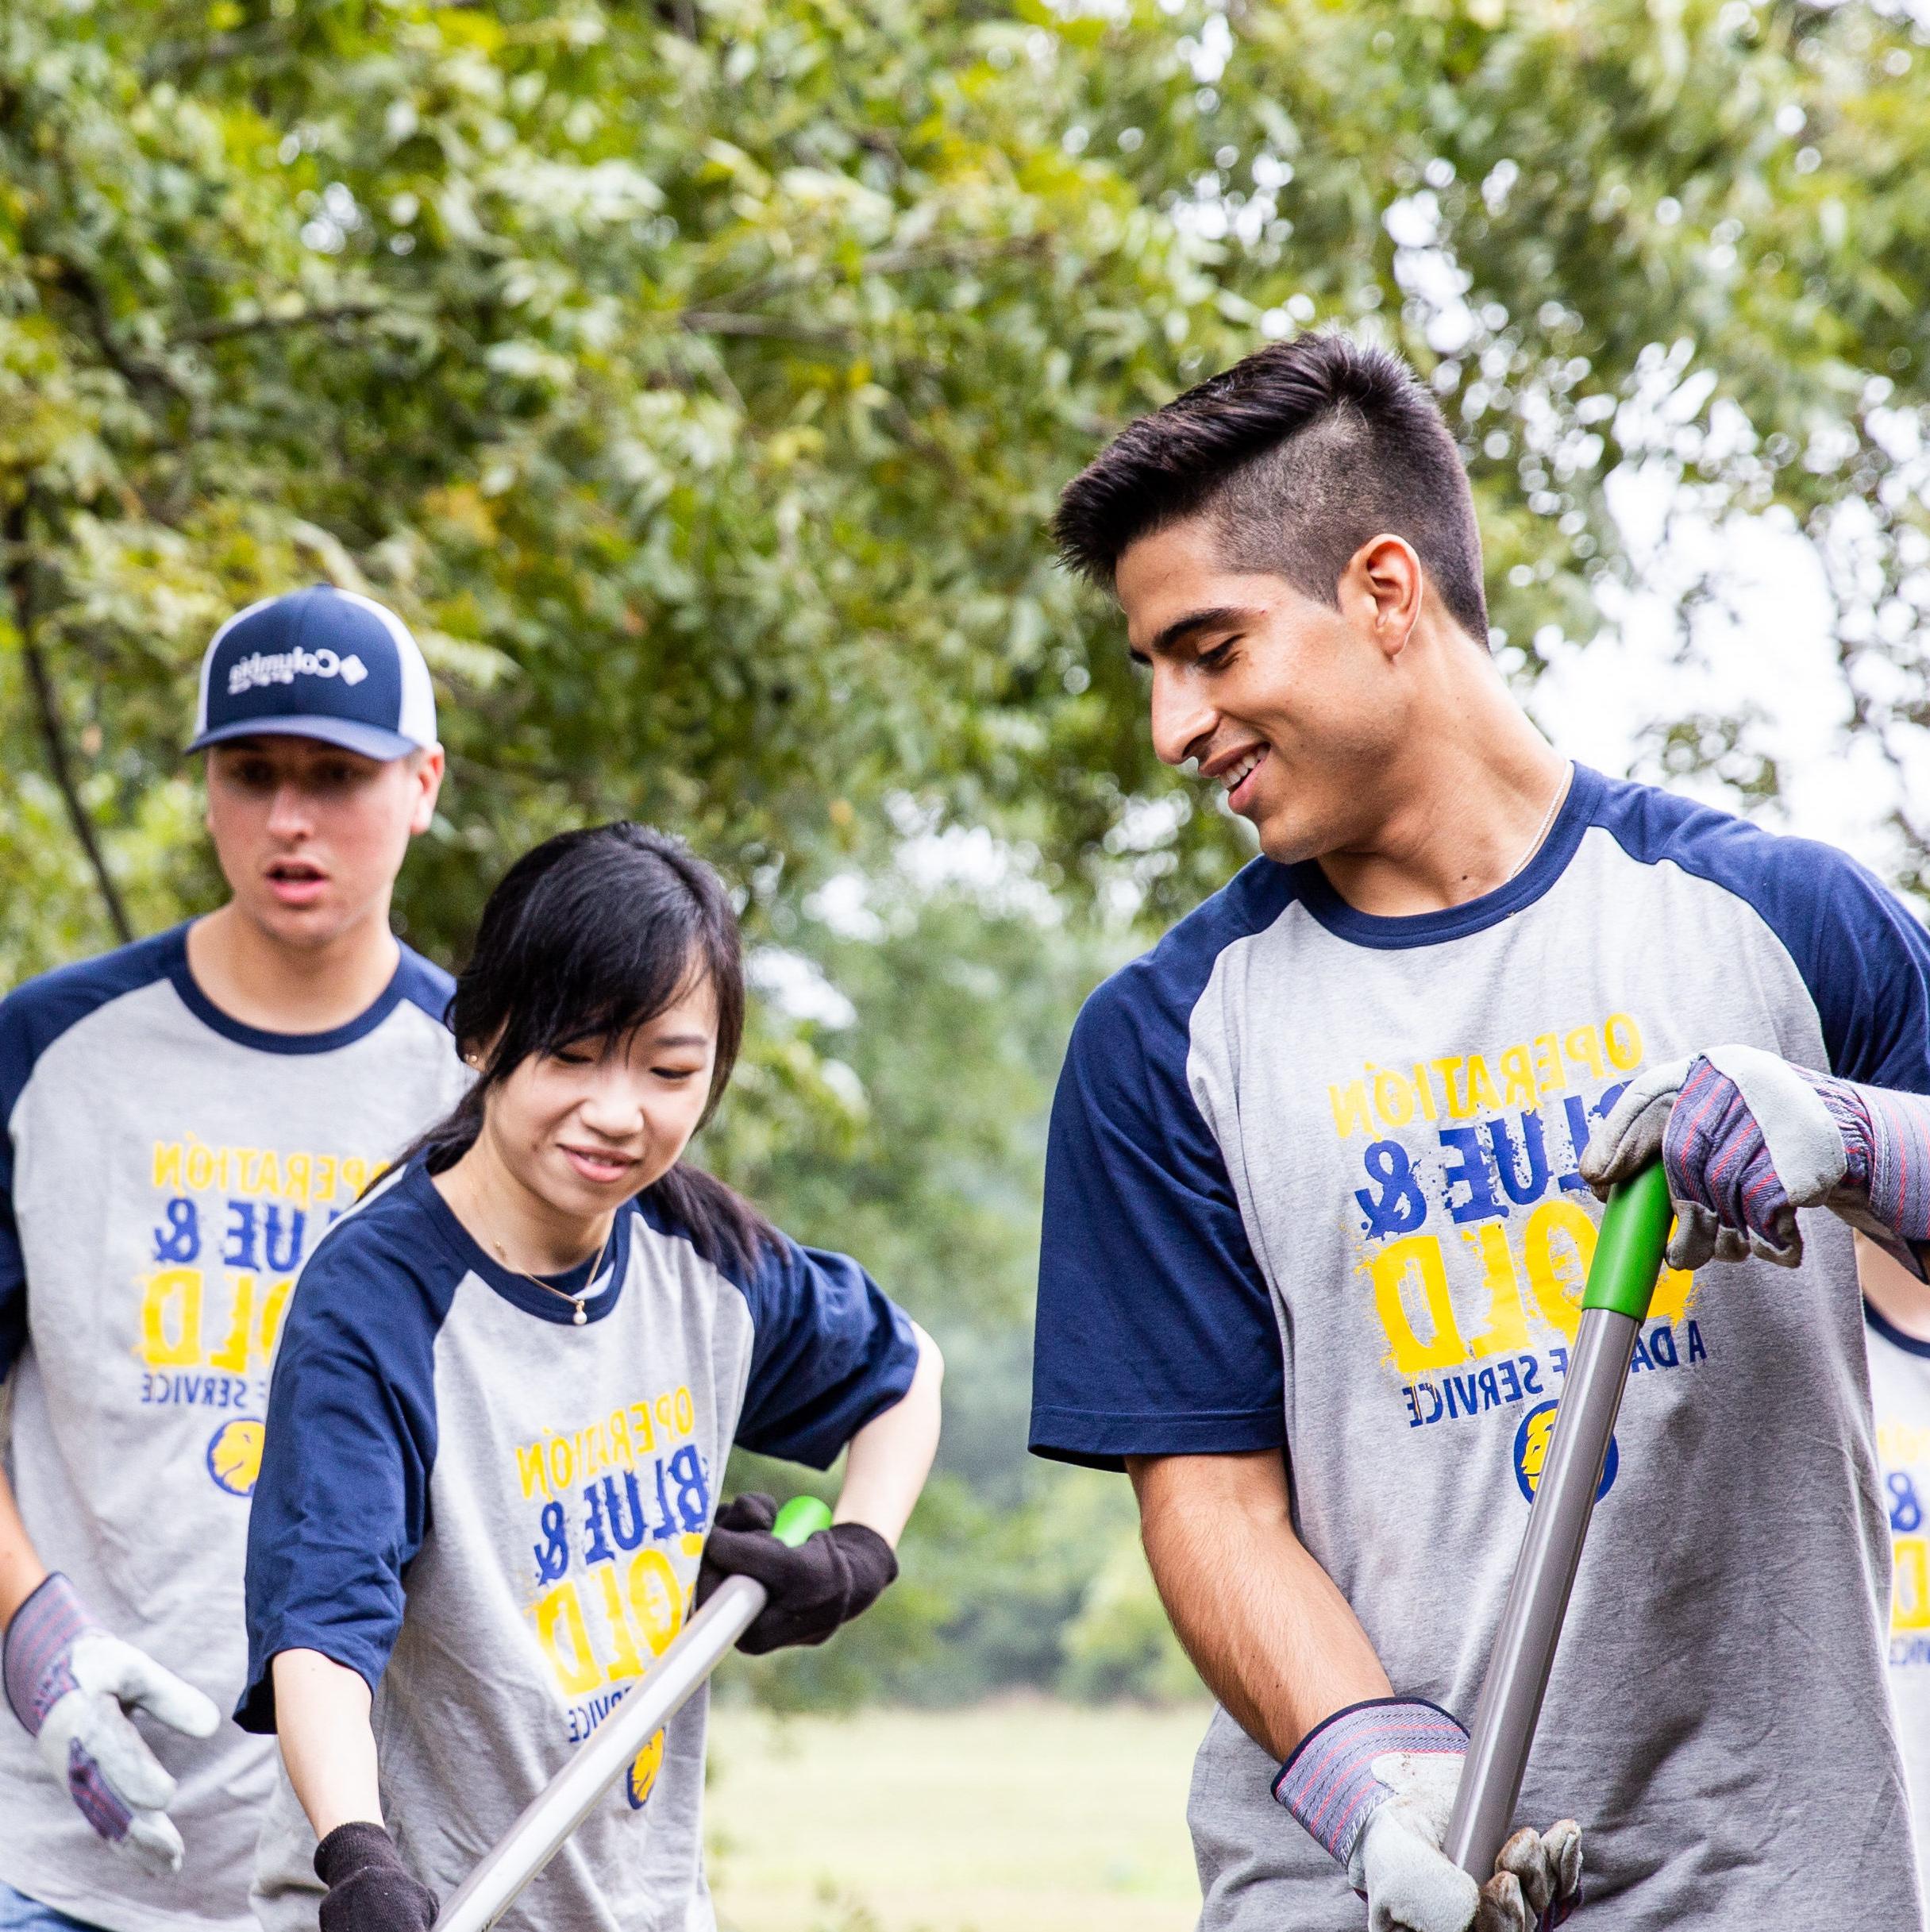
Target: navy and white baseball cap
{"x":322,"y":663}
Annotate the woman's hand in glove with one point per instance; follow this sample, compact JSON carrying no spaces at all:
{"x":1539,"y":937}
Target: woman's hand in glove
{"x":826,"y":1581}
{"x":370,"y":1889}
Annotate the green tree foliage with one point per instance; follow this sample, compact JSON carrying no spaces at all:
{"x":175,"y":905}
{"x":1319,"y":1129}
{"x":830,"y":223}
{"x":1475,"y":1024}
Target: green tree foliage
{"x":696,"y":376}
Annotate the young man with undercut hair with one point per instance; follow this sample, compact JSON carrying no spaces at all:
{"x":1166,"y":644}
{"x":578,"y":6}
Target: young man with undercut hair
{"x":180,"y":1122}
{"x":1319,"y":1209}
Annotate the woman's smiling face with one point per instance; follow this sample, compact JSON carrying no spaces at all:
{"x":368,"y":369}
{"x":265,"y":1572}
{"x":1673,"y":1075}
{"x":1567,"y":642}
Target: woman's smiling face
{"x":588,"y":1127}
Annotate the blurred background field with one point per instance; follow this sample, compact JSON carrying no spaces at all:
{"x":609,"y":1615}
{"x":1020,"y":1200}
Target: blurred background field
{"x":1022,"y":1815}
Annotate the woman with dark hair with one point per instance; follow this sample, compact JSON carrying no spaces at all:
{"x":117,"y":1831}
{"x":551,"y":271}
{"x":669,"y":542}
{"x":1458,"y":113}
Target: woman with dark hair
{"x":506,"y":1390}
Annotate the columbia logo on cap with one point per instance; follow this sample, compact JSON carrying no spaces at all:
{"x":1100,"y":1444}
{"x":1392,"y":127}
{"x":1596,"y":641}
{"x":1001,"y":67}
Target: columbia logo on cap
{"x":290,"y":664}
{"x":323,"y":663}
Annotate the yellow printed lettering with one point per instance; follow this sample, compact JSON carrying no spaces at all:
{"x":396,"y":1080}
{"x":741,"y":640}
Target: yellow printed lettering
{"x":620,"y":1452}
{"x":656,"y":1598}
{"x":354,"y":1176}
{"x":167,"y":1163}
{"x":1350,"y":1106}
{"x":1910,"y":1584}
{"x":1446,"y":1070}
{"x":269,"y":1180}
{"x":642,"y":1436}
{"x":627,"y":1663}
{"x":1558,"y":1247}
{"x":1418,"y":1254}
{"x":1507,"y":1326}
{"x":273,"y":1306}
{"x":200,"y":1167}
{"x":1623,"y":1039}
{"x":1675,"y":1295}
{"x":232,"y":1354}
{"x":1584,"y":1047}
{"x":560,"y":1629}
{"x":159,"y":1349}
{"x":1518,"y":1088}
{"x":295,"y":1179}
{"x":529,"y":1470}
{"x":326,"y":1165}
{"x":1393,"y":1099}
{"x":1549,"y":1077}
{"x":562,"y":1463}
{"x":686,"y":1412}
{"x":1481,"y":1087}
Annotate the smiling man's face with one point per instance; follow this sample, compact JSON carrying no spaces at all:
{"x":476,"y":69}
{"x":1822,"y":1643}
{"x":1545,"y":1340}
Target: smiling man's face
{"x":1284,"y":703}
{"x":310,"y":837}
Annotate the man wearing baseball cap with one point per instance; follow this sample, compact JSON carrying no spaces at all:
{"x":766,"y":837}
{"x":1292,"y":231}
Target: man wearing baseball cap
{"x":180,"y":1121}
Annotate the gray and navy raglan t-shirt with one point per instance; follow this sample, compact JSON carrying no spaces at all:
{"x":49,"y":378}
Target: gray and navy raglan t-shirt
{"x":495,"y":1517}
{"x":1312,"y":1186}
{"x":1900,"y":1393}
{"x":165,"y":1170}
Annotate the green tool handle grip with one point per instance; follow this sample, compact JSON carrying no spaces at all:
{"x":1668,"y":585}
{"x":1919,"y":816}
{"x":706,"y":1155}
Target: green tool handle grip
{"x":1629,"y":1250}
{"x":800,"y":1519}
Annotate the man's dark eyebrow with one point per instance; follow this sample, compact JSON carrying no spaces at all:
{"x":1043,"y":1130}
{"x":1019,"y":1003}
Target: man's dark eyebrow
{"x":1222,"y":617}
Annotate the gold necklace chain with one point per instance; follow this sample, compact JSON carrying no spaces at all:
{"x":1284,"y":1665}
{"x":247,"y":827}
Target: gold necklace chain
{"x":563,"y":1294}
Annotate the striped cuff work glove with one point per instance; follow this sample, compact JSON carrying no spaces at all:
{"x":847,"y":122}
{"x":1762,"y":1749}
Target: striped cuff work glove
{"x":1746,"y":1139}
{"x":1375,"y":1784}
{"x":72,"y":1686}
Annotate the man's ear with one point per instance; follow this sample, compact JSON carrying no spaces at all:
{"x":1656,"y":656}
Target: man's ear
{"x":1382,"y":590}
{"x":427,"y":772}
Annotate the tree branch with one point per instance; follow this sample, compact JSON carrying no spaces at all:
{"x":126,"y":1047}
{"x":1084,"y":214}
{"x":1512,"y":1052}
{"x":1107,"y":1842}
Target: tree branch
{"x":226,"y":330}
{"x":20,"y":575}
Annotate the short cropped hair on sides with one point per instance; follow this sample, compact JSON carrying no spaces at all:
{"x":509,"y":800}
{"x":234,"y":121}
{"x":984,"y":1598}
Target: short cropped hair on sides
{"x":1300,"y":453}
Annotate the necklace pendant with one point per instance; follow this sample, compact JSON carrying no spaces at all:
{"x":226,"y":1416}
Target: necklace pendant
{"x":578,"y":1319}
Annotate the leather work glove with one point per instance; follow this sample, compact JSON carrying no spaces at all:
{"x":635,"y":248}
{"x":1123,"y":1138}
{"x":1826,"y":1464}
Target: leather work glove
{"x":72,"y":1685}
{"x":1746,"y":1138}
{"x":370,"y":1890}
{"x":826,"y":1581}
{"x":1375,"y":1785}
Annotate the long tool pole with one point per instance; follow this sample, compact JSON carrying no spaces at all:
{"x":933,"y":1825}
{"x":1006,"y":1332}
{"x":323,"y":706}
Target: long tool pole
{"x":563,"y":1804}
{"x":1628,"y":1257}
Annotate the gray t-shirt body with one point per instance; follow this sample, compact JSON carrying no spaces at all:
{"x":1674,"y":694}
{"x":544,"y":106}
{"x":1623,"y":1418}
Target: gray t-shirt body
{"x":166,"y":1170}
{"x":496,"y":1516}
{"x":1312,"y":1187}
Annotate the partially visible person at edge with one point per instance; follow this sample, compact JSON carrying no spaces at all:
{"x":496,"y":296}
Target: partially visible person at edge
{"x":1897,"y":1317}
{"x":1319,"y":1208}
{"x":183,"y":1119}
{"x":514,"y":1376}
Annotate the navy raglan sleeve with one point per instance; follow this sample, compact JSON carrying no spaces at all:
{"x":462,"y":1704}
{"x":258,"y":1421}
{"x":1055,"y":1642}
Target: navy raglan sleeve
{"x":1864,"y":957}
{"x":1156,"y":1333}
{"x":342,"y":1503}
{"x":830,"y":1351}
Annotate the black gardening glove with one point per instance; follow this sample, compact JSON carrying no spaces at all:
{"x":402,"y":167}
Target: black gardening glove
{"x":826,"y":1581}
{"x":369,"y":1889}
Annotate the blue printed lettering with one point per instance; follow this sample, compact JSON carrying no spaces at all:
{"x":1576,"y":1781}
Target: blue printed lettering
{"x":596,"y":1545}
{"x":1530,"y":1375}
{"x":1578,"y":1116}
{"x":1637,"y":1357}
{"x":1697,"y":1352}
{"x":1523,"y":1194}
{"x":1511,"y":1380}
{"x":553,"y":1553}
{"x":1490,"y":1395}
{"x":1471,"y":1173}
{"x":284,"y":1256}
{"x":1399,"y":1207}
{"x":240,"y":1251}
{"x":1662,"y":1346}
{"x":181,"y":1240}
{"x":693,"y":1490}
{"x":627,"y":1537}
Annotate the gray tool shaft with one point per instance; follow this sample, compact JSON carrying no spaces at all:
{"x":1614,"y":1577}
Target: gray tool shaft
{"x":562,"y":1805}
{"x":1510,"y":1706}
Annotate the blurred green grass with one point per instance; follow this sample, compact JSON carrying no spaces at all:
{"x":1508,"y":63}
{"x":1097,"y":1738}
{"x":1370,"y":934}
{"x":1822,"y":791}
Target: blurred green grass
{"x":1018,"y":1815}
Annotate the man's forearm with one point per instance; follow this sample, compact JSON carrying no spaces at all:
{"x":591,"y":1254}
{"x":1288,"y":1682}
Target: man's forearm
{"x":21,"y":1571}
{"x":1275,"y":1641}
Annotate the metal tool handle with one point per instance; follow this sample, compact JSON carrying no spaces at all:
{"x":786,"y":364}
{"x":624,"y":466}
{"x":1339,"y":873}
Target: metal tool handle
{"x":562,"y":1805}
{"x":1629,"y":1258}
